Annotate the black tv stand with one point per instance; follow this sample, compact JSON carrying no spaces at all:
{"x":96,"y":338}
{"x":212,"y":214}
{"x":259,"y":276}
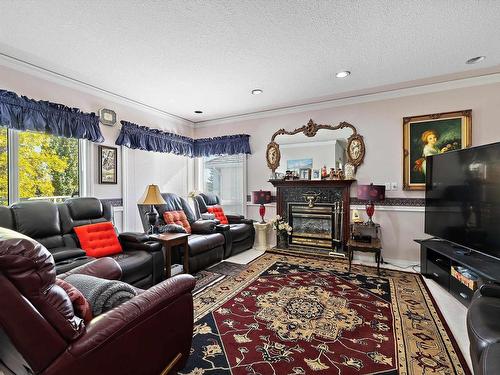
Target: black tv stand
{"x":461,"y":251}
{"x":438,"y":256}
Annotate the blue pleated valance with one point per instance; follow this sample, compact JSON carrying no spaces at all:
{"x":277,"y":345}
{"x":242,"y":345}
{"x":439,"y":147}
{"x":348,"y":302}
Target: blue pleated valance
{"x":147,"y":139}
{"x":143,"y":138}
{"x":22,"y":113}
{"x":226,"y":145}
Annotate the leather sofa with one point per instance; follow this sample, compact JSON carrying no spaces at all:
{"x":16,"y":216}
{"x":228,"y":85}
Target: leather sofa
{"x":483,"y":326}
{"x":241,"y":230}
{"x":207,"y":241}
{"x":52,"y":225}
{"x":40,"y":334}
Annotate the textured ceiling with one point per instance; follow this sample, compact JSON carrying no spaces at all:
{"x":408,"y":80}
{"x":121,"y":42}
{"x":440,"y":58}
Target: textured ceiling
{"x":182,"y":56}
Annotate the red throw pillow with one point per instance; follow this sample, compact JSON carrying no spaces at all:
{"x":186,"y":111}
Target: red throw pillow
{"x":80,"y":304}
{"x":99,"y":239}
{"x":177,"y":217}
{"x":219,"y":214}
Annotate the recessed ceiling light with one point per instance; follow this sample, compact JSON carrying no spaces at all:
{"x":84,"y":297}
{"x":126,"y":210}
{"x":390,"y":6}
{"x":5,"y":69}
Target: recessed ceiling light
{"x":198,"y":112}
{"x":257,"y":91}
{"x":343,"y":74}
{"x":475,"y":60}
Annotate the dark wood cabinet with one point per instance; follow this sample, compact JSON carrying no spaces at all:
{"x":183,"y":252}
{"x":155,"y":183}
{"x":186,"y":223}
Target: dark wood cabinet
{"x":437,"y":257}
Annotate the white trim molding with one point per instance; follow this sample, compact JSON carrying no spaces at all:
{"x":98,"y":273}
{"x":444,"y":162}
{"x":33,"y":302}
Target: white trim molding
{"x":61,"y":79}
{"x":360,"y":98}
{"x":52,"y":76}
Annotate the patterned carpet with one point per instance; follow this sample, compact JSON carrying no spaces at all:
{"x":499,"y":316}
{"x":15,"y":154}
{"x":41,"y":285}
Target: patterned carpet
{"x":298,"y":315}
{"x":204,"y":279}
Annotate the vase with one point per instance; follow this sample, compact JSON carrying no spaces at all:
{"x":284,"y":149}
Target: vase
{"x":282,"y":240}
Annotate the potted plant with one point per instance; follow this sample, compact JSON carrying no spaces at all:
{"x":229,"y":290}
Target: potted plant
{"x":283,"y":230}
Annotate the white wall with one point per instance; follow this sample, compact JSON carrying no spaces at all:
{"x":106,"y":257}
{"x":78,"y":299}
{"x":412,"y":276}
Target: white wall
{"x":379,"y":120}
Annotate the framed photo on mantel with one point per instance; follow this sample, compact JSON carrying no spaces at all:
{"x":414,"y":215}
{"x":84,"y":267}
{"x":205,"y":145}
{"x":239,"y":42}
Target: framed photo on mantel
{"x":432,"y":135}
{"x":108,"y":165}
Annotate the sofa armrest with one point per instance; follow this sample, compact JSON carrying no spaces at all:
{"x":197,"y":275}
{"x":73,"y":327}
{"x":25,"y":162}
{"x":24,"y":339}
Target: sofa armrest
{"x":104,"y":268}
{"x":150,"y":246}
{"x":155,"y":326}
{"x":234,"y":219}
{"x":203,"y":227}
{"x":138,"y":241}
{"x":133,"y":237}
{"x":238,"y":219}
{"x":490,"y":290}
{"x":220,"y":228}
{"x":140,"y":308}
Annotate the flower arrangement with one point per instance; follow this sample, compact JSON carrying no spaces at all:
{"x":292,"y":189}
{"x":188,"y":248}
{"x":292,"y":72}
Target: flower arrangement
{"x":281,"y":226}
{"x":283,"y":230}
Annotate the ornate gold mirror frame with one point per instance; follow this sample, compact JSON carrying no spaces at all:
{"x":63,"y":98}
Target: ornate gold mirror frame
{"x":355,"y":144}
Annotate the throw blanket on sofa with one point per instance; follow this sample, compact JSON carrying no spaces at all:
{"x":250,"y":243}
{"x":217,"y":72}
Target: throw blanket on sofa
{"x":102,"y":294}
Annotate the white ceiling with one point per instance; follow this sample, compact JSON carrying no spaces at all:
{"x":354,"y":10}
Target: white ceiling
{"x":182,"y":56}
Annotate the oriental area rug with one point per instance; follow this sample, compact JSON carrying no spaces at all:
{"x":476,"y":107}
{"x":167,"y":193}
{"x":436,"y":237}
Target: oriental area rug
{"x":289,"y":315}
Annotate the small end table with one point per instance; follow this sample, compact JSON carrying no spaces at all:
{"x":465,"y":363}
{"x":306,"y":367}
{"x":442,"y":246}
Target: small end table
{"x":261,"y":236}
{"x":169,"y":240}
{"x":374,"y":246}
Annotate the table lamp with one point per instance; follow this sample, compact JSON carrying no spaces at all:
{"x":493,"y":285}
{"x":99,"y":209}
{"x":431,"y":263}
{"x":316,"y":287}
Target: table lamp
{"x":261,"y":197}
{"x":371,"y":193}
{"x":151,"y":196}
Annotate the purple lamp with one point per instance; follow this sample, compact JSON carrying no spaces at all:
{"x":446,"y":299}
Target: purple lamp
{"x":371,"y":193}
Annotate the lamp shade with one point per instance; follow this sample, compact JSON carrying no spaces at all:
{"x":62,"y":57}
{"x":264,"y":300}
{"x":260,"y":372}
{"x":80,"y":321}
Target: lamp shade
{"x":371,"y":193}
{"x":261,"y":197}
{"x":152,"y":196}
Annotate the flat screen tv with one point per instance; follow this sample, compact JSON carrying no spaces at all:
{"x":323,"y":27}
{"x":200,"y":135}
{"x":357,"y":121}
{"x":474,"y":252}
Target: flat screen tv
{"x":462,"y":198}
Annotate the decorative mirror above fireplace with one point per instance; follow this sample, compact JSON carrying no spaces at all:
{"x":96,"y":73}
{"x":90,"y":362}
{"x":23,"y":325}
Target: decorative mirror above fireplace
{"x":295,"y":150}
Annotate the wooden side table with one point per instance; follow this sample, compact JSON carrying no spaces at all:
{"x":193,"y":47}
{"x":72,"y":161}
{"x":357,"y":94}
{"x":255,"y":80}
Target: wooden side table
{"x":262,"y":236}
{"x":169,"y":240}
{"x":374,"y":246}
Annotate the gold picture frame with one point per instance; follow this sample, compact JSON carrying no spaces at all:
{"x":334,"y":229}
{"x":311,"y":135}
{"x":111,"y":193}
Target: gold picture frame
{"x":431,"y":135}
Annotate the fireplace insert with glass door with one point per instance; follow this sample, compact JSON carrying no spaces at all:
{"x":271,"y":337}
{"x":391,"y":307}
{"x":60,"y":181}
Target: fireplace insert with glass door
{"x":319,"y":226}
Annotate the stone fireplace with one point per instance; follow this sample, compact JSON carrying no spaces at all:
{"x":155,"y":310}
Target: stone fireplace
{"x":318,"y":212}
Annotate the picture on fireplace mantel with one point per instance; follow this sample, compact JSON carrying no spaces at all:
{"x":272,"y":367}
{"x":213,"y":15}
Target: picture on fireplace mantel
{"x":305,"y":173}
{"x":431,"y":135}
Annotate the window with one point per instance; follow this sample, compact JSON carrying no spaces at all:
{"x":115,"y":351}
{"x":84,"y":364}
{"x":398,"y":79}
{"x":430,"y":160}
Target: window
{"x":38,"y":166}
{"x":225,"y":176}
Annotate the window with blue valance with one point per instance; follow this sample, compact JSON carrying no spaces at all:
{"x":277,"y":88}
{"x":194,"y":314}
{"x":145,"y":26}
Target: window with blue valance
{"x":148,"y":139}
{"x":22,"y":113}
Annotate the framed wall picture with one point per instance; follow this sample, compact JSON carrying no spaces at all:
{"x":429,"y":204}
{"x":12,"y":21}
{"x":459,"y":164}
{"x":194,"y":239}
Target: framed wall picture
{"x":432,"y":135}
{"x":108,"y":165}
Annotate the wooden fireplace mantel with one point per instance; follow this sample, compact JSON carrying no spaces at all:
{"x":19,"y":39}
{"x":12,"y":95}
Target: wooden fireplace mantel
{"x":325,"y":183}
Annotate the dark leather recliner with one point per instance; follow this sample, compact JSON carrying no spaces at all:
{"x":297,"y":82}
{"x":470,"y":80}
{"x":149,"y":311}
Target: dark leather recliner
{"x":242,"y":231}
{"x":483,"y":326}
{"x":207,"y":240}
{"x":52,"y":225}
{"x":40,"y":334}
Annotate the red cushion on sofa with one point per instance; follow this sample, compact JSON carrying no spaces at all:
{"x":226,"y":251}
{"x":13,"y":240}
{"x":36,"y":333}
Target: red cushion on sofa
{"x":99,"y":239}
{"x":177,"y":217}
{"x":219,"y":214}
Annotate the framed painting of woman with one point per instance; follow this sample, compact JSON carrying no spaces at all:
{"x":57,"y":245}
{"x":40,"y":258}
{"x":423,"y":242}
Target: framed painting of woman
{"x":431,"y":135}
